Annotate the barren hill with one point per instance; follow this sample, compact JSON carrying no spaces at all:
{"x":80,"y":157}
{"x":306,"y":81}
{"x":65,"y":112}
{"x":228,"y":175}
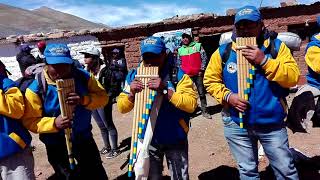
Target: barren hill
{"x":16,"y":21}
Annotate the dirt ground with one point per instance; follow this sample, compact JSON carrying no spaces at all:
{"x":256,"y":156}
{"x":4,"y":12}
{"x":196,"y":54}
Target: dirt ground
{"x":209,"y":155}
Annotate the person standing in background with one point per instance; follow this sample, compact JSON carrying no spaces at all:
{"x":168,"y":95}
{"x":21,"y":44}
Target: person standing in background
{"x":103,"y":116}
{"x":192,"y":59}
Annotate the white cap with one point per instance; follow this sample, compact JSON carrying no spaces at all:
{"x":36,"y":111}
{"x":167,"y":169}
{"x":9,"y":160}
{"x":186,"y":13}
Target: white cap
{"x":91,"y":50}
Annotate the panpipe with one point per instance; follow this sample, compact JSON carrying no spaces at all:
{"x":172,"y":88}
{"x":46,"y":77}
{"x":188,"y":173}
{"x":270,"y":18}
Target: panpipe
{"x":64,"y":87}
{"x":142,"y":107}
{"x":246,"y":71}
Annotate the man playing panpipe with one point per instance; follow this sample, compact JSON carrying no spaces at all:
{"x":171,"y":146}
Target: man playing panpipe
{"x":42,"y":108}
{"x":264,"y":111}
{"x":304,"y":111}
{"x":313,"y":59}
{"x":172,"y":121}
{"x":16,"y":160}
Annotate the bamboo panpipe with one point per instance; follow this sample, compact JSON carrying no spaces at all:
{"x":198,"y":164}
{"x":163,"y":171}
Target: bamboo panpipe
{"x":64,"y":87}
{"x":246,"y":71}
{"x":142,"y":107}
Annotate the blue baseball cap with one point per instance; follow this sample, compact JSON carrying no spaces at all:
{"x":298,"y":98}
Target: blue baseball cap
{"x":58,"y":54}
{"x":152,"y":45}
{"x":25,"y":48}
{"x":318,"y":21}
{"x":250,"y":13}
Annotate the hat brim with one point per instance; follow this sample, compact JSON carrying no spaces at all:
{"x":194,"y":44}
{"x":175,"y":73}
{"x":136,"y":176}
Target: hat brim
{"x":248,"y":18}
{"x":83,"y":52}
{"x":88,"y":53}
{"x":59,"y":60}
{"x":186,"y":35}
{"x":151,"y":49}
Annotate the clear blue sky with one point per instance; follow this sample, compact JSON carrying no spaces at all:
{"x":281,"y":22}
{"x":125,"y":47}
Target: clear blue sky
{"x":118,"y":13}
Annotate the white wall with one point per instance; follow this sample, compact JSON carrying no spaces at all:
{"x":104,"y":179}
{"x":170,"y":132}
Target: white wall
{"x":76,"y":48}
{"x":13,"y":66}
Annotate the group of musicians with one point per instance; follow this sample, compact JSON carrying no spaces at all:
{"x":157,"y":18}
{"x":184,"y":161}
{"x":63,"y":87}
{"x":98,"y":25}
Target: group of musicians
{"x":38,"y":110}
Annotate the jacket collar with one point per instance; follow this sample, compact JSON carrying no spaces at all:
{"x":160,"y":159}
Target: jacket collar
{"x":190,"y":45}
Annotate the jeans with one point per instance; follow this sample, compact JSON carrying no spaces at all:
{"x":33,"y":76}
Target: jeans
{"x":177,"y":161}
{"x":243,"y":145}
{"x":103,"y":118}
{"x":198,"y":80}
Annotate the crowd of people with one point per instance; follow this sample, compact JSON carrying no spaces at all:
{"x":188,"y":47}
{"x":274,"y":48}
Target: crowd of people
{"x":32,"y":104}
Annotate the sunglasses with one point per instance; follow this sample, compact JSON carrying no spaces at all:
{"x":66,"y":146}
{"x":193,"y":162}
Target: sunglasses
{"x":246,"y":25}
{"x":88,"y":56}
{"x":150,"y":56}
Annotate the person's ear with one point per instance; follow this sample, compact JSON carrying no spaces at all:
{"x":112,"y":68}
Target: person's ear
{"x":261,"y":24}
{"x":163,"y":54}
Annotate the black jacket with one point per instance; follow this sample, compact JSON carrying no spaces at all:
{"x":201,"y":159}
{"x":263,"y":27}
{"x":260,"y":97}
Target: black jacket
{"x":25,"y":60}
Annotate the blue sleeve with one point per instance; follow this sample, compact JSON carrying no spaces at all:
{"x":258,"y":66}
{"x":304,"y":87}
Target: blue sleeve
{"x":7,"y":83}
{"x":130,"y":77}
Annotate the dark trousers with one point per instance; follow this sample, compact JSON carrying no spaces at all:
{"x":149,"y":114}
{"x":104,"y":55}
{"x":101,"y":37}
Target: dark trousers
{"x":104,"y":120}
{"x":86,"y":153}
{"x":198,"y":80}
{"x":177,"y":161}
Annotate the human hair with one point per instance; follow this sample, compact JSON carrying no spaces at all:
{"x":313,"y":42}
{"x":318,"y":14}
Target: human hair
{"x":3,"y":70}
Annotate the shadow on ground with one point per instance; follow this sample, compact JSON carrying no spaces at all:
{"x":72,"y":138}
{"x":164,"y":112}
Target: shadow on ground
{"x":125,"y":145}
{"x":307,"y":169}
{"x":125,"y":177}
{"x":211,"y":110}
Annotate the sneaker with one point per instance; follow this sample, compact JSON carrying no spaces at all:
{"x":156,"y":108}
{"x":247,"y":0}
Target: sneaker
{"x":206,"y":115}
{"x":104,"y":150}
{"x":113,"y":154}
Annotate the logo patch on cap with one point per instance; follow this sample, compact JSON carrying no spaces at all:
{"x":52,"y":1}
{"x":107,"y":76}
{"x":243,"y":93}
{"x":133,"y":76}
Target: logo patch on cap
{"x":150,"y":41}
{"x":58,"y":51}
{"x":245,"y":12}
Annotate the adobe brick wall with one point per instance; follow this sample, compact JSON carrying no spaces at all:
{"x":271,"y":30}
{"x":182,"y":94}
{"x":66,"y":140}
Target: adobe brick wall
{"x":132,"y":49}
{"x":132,"y":53}
{"x":277,"y":19}
{"x":281,"y":25}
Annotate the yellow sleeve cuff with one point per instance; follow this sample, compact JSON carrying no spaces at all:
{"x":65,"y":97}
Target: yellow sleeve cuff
{"x":184,"y":102}
{"x":124,"y":104}
{"x":267,"y":64}
{"x":42,"y":125}
{"x":48,"y":125}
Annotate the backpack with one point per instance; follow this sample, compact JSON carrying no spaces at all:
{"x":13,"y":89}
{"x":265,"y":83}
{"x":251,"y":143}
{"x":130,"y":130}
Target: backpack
{"x":105,"y":76}
{"x":24,"y":82}
{"x":43,"y":85}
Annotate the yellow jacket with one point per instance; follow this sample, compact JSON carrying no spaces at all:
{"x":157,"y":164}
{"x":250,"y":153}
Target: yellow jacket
{"x":312,"y":58}
{"x":282,"y":70}
{"x":40,"y":113}
{"x":270,"y":84}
